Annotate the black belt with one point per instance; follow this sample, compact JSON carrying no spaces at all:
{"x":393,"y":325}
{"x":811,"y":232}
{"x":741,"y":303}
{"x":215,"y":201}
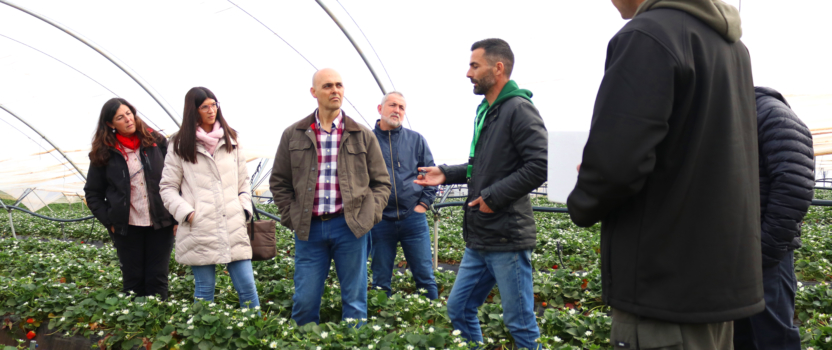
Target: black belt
{"x":326,"y":217}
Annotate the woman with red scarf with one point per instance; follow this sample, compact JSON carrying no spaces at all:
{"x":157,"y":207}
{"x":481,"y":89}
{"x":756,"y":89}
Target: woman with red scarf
{"x":122,"y":192}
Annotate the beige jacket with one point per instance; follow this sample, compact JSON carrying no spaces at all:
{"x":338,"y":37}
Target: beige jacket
{"x":362,"y":176}
{"x":217,"y":189}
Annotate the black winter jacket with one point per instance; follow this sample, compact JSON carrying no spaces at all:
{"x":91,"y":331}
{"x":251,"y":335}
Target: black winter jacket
{"x":108,"y":188}
{"x":787,"y":174}
{"x":670,"y":169}
{"x":404,"y":151}
{"x":511,"y":161}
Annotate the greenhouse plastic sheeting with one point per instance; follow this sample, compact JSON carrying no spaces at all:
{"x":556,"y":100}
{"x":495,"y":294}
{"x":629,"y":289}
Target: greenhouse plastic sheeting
{"x":58,"y":84}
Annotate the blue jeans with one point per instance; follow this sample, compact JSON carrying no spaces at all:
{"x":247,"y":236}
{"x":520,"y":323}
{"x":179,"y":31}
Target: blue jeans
{"x":512,"y":273}
{"x":241,"y":274}
{"x":414,"y":235}
{"x":772,"y":328}
{"x":330,"y":240}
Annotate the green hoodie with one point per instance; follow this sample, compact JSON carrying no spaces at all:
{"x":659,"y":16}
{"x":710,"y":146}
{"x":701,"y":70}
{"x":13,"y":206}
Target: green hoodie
{"x":509,"y":90}
{"x":722,"y":17}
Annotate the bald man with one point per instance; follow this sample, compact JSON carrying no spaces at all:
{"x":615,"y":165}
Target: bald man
{"x":331,"y":185}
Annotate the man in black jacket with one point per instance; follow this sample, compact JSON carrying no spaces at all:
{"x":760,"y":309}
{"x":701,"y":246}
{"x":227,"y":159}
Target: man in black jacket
{"x":670,"y":169}
{"x":508,"y":159}
{"x":787,"y":180}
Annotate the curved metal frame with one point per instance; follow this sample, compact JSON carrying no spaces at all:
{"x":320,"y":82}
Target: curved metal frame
{"x":45,"y":138}
{"x":354,"y":44}
{"x":100,"y":51}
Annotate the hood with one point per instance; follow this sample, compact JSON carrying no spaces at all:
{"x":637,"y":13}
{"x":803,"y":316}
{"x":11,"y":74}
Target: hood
{"x":723,"y":18}
{"x":762,"y":91}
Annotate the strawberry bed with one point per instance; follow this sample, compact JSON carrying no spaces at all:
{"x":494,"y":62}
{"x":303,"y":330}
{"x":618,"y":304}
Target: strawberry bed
{"x":57,"y":288}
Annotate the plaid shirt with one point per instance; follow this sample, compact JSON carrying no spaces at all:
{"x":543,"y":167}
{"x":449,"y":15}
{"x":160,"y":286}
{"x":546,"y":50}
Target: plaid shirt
{"x":327,"y":191}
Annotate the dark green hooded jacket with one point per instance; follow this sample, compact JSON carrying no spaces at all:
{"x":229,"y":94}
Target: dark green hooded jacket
{"x":670,"y":168}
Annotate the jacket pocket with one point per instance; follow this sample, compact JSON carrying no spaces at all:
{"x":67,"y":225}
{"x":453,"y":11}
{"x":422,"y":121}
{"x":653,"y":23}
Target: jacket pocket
{"x":491,"y":229}
{"x":357,"y":157}
{"x":298,"y":150}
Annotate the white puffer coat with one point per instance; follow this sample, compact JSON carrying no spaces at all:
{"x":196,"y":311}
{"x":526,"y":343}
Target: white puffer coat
{"x":217,"y":189}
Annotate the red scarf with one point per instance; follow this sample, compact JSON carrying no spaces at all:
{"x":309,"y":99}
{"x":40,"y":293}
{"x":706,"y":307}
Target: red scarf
{"x":131,"y":142}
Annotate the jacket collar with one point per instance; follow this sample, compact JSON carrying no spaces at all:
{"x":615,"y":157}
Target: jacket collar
{"x":349,"y":124}
{"x":378,"y":128}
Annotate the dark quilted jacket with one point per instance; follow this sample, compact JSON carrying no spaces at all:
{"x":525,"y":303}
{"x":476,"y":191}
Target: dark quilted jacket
{"x":786,"y":174}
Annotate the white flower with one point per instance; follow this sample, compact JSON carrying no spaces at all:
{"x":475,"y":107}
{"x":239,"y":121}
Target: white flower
{"x":125,"y":311}
{"x":370,"y":346}
{"x":430,"y":330}
{"x":409,"y":347}
{"x":191,"y":327}
{"x":376,"y":327}
{"x":349,"y":320}
{"x":588,"y":333}
{"x":212,"y":305}
{"x":239,"y":324}
{"x":184,"y":309}
{"x":101,"y":333}
{"x":490,"y":341}
{"x":229,"y":327}
{"x":324,"y":335}
{"x":456,"y":332}
{"x":257,"y":307}
{"x":273,"y":345}
{"x":63,"y":319}
{"x":191,"y":320}
{"x":557,"y":339}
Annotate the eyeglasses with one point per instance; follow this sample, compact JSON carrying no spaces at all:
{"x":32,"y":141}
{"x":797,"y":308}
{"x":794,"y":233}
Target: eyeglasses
{"x":214,"y":106}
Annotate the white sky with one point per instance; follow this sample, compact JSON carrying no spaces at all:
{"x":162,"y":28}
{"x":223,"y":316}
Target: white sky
{"x":263,"y":84}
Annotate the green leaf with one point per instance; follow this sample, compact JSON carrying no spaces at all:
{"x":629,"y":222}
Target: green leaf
{"x":436,"y":341}
{"x":158,"y":344}
{"x":205,"y":345}
{"x":413,"y":339}
{"x":209,"y":318}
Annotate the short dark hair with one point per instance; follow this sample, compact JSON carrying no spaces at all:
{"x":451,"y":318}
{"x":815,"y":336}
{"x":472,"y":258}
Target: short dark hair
{"x":496,"y":50}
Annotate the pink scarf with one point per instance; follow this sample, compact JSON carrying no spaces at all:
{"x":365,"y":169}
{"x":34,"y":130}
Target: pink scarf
{"x":210,"y":140}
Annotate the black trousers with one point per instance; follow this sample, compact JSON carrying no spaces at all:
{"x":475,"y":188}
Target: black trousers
{"x":772,"y":328}
{"x":144,"y":256}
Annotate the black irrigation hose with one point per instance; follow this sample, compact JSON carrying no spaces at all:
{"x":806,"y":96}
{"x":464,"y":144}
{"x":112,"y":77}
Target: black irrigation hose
{"x":10,"y":208}
{"x":816,"y":202}
{"x":540,"y":209}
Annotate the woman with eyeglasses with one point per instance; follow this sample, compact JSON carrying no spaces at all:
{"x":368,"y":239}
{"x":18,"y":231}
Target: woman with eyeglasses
{"x":122,"y":191}
{"x":205,"y":185}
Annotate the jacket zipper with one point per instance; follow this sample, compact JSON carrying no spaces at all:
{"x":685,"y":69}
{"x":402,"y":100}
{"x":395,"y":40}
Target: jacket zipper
{"x":146,"y":189}
{"x":393,"y":173}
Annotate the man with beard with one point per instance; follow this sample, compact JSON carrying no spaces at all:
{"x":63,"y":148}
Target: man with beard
{"x":670,"y":169}
{"x":508,"y":159}
{"x":404,"y":221}
{"x":330,"y":185}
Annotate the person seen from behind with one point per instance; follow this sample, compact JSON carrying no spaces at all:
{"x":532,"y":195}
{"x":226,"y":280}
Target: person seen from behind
{"x":787,"y":181}
{"x":670,"y":169}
